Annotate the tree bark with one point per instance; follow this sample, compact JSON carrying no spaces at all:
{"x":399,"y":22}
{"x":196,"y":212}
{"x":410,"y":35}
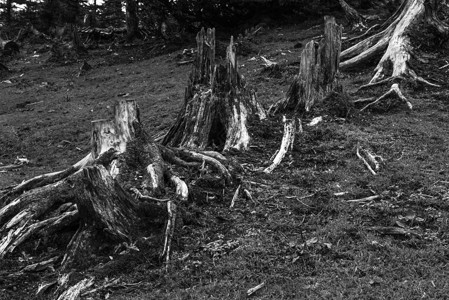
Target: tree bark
{"x":317,"y":74}
{"x":217,"y":103}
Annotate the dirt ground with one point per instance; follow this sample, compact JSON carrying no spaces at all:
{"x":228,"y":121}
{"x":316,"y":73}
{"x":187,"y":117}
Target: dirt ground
{"x":300,"y":235}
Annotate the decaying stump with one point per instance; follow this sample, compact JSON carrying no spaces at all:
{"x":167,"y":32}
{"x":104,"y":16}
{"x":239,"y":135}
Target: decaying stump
{"x":317,"y":73}
{"x":104,"y":192}
{"x":217,"y":103}
{"x":395,"y":41}
{"x":316,"y":78}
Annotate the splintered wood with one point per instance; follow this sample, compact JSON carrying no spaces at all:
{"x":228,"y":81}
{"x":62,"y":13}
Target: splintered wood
{"x":317,"y":73}
{"x":371,"y":161}
{"x":394,"y":39}
{"x":290,"y":128}
{"x":217,"y":102}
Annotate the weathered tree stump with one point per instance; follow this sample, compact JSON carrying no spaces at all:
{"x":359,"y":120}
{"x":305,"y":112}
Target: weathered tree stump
{"x":217,"y":103}
{"x":317,"y":73}
{"x":104,"y":192}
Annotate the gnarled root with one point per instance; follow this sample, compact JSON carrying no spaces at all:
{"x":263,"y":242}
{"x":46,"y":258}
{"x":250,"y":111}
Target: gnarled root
{"x":395,"y":40}
{"x":395,"y":92}
{"x":290,"y":128}
{"x":95,"y":192}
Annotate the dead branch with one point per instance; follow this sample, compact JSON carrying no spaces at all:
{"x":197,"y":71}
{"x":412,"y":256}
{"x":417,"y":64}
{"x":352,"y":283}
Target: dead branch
{"x":235,"y":197}
{"x":366,"y":199}
{"x":365,"y":162}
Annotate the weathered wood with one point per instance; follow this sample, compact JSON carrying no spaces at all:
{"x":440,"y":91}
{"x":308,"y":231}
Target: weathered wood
{"x":395,"y":41}
{"x":290,"y":128}
{"x":94,"y":191}
{"x":317,"y":74}
{"x":75,"y":291}
{"x":217,"y":102}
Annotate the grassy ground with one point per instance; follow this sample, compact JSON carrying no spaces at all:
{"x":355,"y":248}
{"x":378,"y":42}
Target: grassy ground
{"x":300,"y":236}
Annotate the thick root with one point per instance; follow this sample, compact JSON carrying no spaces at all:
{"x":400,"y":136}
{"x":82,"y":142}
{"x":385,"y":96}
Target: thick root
{"x":290,"y":129}
{"x":394,"y":91}
{"x":396,"y":43}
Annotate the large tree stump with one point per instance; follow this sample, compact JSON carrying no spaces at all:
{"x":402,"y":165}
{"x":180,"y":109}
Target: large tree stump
{"x":317,"y":73}
{"x":100,"y":192}
{"x":217,"y":102}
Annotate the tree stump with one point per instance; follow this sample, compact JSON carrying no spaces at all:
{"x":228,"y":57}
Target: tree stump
{"x":317,"y":73}
{"x":100,"y":193}
{"x":217,"y":103}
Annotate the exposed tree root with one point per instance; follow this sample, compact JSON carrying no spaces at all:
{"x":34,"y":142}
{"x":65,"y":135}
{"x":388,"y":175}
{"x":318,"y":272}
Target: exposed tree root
{"x":97,"y":192}
{"x":362,"y":35}
{"x":395,"y":92}
{"x":291,"y":126}
{"x":395,"y":41}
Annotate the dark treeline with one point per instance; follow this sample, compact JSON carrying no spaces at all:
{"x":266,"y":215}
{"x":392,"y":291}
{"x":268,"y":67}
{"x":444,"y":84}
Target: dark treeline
{"x":160,"y":16}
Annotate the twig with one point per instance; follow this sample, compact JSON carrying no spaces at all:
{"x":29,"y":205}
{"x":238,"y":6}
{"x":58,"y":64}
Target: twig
{"x":445,"y":66}
{"x":366,"y":199}
{"x":248,"y":195}
{"x":144,"y":197}
{"x":185,"y":62}
{"x":251,"y":291}
{"x":235,"y":197}
{"x":169,"y":231}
